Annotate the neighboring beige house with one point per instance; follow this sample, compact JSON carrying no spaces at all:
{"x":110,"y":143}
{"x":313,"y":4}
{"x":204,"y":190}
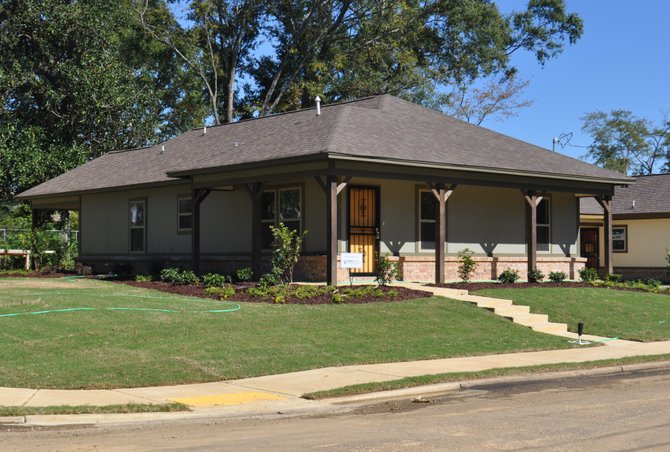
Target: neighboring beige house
{"x":641,"y":229}
{"x":375,"y":175}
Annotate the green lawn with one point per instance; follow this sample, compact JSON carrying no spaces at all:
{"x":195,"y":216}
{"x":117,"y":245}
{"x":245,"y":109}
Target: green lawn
{"x":111,"y":348}
{"x":629,"y":315}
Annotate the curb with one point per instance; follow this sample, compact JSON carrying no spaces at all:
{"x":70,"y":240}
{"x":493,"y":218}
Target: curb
{"x":439,"y":388}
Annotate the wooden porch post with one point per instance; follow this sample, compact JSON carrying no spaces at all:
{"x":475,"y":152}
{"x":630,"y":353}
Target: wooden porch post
{"x":606,"y":203}
{"x":198,"y":195}
{"x":442,"y":194}
{"x":331,"y":233}
{"x":332,"y":188}
{"x":255,"y":191}
{"x":532,"y":200}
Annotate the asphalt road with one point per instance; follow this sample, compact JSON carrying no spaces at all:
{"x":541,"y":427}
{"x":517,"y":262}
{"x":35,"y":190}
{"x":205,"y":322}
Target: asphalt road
{"x":621,"y":412}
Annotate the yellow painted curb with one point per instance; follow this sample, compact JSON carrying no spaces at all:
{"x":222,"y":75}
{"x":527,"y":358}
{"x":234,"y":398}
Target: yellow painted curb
{"x":236,"y":398}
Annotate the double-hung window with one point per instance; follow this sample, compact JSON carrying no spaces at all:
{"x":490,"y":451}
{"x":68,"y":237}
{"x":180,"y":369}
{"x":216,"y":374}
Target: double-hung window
{"x":281,"y":205}
{"x":137,"y":210}
{"x":620,"y":239}
{"x":184,"y":213}
{"x":543,"y":225}
{"x":427,"y":205}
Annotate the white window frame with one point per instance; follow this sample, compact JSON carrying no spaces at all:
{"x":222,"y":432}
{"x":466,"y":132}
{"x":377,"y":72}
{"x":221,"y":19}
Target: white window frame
{"x":625,"y":238}
{"x":277,"y":212}
{"x":184,"y":214}
{"x":142,"y":201}
{"x":421,"y":221}
{"x":545,"y":225}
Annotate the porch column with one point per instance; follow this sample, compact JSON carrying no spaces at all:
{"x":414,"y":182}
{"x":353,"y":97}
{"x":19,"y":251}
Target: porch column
{"x":198,"y":195}
{"x":331,"y":233}
{"x":332,"y":188}
{"x":532,"y":200}
{"x":255,"y":191}
{"x":606,"y":203}
{"x":442,"y":194}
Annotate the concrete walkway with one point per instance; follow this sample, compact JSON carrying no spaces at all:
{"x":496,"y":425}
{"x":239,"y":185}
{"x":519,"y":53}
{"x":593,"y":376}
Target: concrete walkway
{"x":274,"y":391}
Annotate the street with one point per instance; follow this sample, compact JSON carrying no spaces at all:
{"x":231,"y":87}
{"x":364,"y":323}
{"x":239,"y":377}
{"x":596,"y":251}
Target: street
{"x":615,"y":412}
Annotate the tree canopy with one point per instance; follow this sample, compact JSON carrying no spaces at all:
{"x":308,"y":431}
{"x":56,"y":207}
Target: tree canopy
{"x":78,"y":79}
{"x":289,"y":51}
{"x":627,"y":143}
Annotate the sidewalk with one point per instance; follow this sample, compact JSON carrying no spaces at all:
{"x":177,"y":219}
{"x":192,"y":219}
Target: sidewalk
{"x":272,"y":392}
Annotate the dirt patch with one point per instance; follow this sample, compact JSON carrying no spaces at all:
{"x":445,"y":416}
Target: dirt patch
{"x":394,"y":293}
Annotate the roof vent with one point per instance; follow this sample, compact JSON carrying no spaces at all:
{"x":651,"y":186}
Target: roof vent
{"x":317,"y":99}
{"x":204,"y":129}
{"x":162,"y":149}
{"x":633,"y":204}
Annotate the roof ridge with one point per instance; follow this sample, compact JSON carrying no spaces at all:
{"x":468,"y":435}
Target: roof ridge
{"x":341,"y":115}
{"x":283,"y":113}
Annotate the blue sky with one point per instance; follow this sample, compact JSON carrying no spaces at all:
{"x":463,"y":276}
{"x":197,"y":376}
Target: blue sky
{"x":622,"y":61}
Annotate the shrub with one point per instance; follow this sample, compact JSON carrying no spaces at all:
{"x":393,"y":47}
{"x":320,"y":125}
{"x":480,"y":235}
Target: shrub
{"x":557,"y":276}
{"x":222,"y":292}
{"x":614,"y":277}
{"x":466,"y":264}
{"x":535,"y":276}
{"x":508,"y":276}
{"x":386,"y":271}
{"x":143,"y":278}
{"x":588,"y":274}
{"x":244,"y":274}
{"x":178,"y":277}
{"x":280,"y":299}
{"x":169,"y":274}
{"x":651,"y":282}
{"x":286,"y":245}
{"x":215,"y":280}
{"x":337,"y":297}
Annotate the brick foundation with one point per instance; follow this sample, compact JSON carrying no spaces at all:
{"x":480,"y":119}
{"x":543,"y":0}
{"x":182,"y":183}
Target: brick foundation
{"x":635,"y":273}
{"x":313,"y":268}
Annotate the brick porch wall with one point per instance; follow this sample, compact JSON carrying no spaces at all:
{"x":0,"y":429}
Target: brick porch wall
{"x":422,"y":268}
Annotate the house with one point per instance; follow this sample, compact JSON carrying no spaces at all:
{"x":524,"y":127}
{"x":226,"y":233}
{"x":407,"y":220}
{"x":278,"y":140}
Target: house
{"x":640,"y":229}
{"x":374,"y":175}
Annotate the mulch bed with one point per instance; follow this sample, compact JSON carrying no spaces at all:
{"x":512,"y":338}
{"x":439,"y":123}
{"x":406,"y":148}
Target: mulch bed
{"x":35,"y":275}
{"x":471,"y":286}
{"x":402,"y":294}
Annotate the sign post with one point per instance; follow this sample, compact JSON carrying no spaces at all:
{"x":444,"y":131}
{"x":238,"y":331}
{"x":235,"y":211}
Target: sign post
{"x":349,"y":261}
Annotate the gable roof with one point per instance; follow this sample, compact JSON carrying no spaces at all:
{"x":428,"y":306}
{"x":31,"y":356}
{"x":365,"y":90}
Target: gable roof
{"x":380,"y":128}
{"x":650,"y":194}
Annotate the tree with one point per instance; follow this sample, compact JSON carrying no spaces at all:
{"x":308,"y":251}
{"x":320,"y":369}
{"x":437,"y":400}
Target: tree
{"x":501,"y":97}
{"x":342,"y":49}
{"x":76,"y":81}
{"x":626,"y":143}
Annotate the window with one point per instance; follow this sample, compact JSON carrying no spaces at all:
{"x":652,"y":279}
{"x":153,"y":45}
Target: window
{"x":427,"y":206}
{"x":620,"y":239}
{"x":543,"y":225}
{"x":283,"y":205}
{"x":184,"y":213}
{"x":137,"y":214}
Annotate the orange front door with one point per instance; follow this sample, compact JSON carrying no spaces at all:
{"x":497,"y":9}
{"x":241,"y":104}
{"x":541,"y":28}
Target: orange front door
{"x":364,"y":226}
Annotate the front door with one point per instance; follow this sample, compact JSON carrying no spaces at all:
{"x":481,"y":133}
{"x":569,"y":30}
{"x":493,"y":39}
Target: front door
{"x":364,"y":226}
{"x":589,"y":246}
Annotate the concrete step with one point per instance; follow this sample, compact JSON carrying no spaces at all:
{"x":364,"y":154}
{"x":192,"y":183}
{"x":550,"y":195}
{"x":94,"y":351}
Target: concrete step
{"x":511,"y":311}
{"x":490,"y":304}
{"x":550,"y":328}
{"x":531,"y":319}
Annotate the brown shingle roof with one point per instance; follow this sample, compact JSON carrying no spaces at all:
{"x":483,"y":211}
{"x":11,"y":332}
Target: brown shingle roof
{"x":650,"y":193}
{"x":380,"y":127}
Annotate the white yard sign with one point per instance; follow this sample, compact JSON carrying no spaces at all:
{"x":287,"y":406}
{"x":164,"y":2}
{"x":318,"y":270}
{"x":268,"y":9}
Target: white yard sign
{"x":351,"y":260}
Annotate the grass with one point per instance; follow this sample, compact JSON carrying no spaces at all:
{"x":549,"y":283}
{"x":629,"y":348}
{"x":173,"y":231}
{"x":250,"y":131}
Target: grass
{"x":88,"y":409}
{"x":411,"y":382}
{"x":108,"y":349}
{"x":636,"y":316}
